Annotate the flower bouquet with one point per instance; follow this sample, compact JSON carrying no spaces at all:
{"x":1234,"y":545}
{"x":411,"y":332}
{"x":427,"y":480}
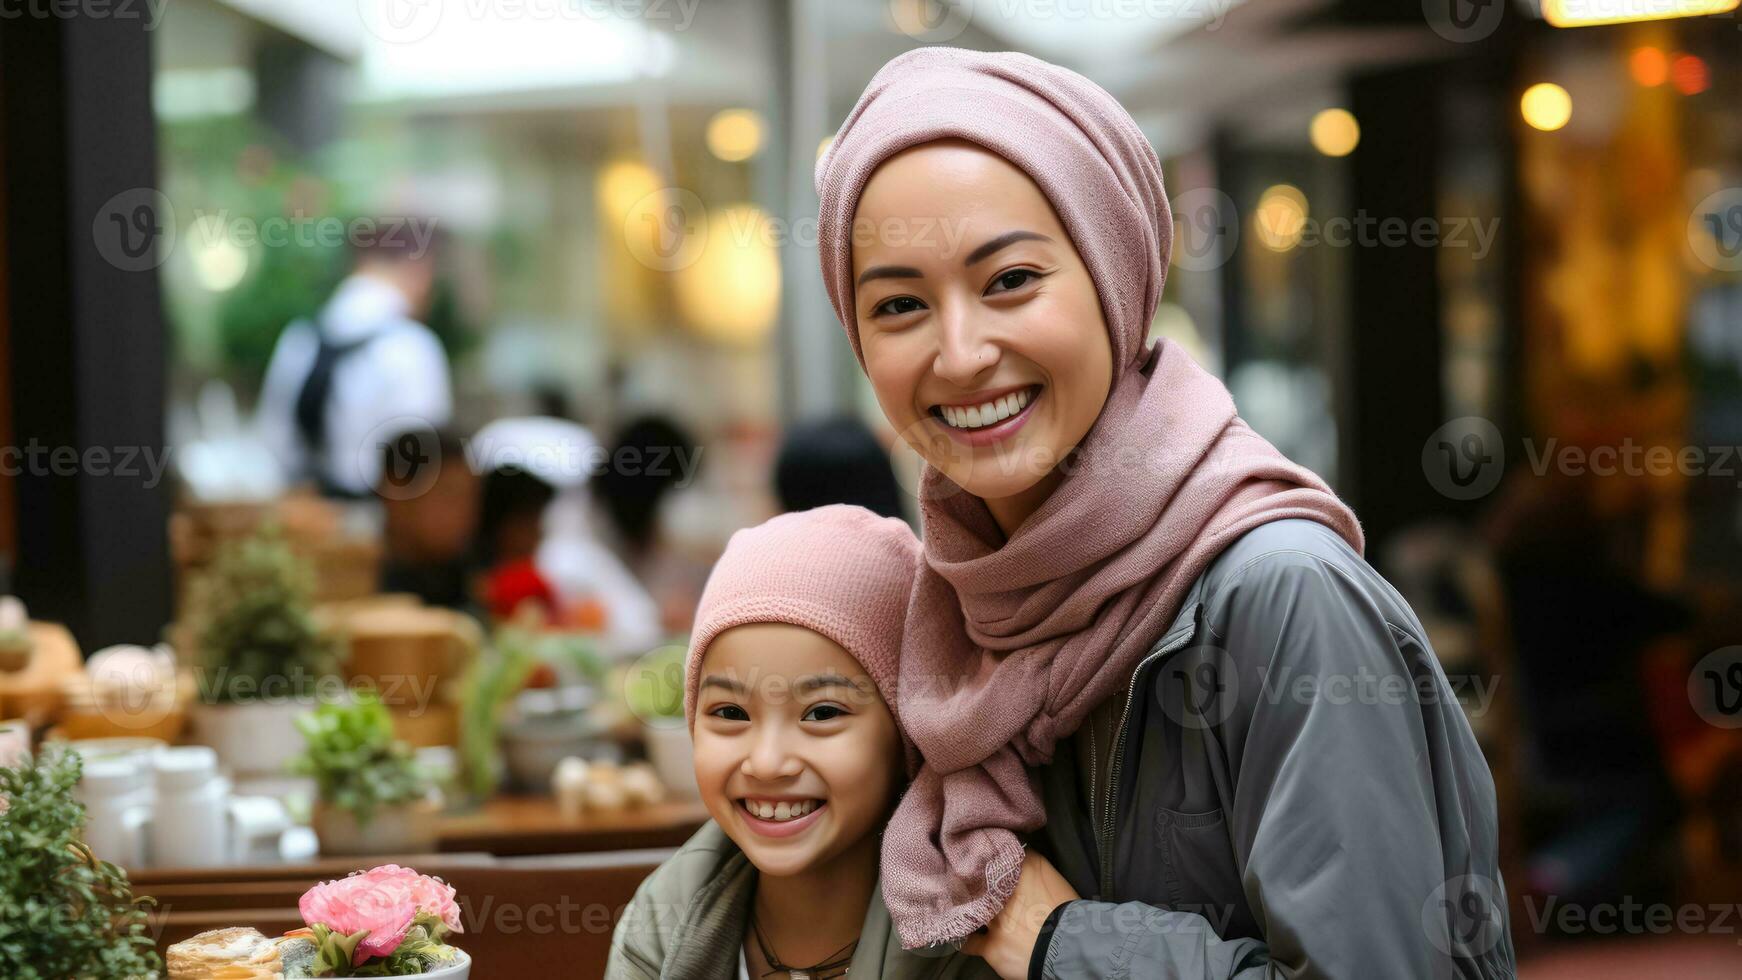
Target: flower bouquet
{"x":384,"y":922}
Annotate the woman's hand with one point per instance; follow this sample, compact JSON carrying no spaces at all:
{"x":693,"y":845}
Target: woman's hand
{"x":1009,"y":939}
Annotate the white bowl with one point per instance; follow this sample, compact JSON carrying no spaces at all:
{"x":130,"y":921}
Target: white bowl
{"x":461,"y":970}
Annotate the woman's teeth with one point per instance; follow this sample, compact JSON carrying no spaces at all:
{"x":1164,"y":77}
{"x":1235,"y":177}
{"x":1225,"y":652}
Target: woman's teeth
{"x":986,"y":413}
{"x":780,"y":811}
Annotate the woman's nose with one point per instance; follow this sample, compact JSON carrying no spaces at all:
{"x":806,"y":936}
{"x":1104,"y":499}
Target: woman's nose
{"x":966,"y":352}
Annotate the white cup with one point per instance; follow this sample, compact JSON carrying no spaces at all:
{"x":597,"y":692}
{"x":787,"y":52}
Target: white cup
{"x":117,"y":795}
{"x":190,"y":828}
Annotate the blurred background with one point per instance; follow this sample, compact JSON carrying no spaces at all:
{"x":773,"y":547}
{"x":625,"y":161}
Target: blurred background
{"x":511,"y":307}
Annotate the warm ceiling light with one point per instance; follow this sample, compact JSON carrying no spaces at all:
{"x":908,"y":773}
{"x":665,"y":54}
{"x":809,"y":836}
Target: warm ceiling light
{"x":734,"y":134}
{"x":1546,"y":106}
{"x":823,"y":146}
{"x":1690,"y":74}
{"x":1335,"y":133}
{"x":1585,"y":13}
{"x":1649,"y":66}
{"x":1280,"y":220}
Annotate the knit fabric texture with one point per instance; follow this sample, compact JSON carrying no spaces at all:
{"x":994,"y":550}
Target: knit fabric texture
{"x":839,"y":570}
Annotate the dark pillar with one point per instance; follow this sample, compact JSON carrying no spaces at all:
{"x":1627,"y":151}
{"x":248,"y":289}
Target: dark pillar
{"x":1395,"y":339}
{"x":85,"y":232}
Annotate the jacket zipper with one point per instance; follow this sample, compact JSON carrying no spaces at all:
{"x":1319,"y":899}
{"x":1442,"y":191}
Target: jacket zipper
{"x":1106,"y":834}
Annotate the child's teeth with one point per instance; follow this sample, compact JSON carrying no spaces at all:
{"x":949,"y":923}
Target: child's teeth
{"x":780,"y":811}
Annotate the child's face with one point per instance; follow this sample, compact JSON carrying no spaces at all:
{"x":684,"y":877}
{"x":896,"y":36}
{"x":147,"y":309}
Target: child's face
{"x":785,"y":716}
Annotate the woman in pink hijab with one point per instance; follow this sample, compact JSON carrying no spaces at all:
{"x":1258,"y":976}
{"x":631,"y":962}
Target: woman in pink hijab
{"x":1173,"y":725}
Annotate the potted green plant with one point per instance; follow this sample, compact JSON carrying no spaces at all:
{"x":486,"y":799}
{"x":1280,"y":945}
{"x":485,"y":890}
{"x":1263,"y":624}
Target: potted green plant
{"x":263,"y":660}
{"x":653,"y":689}
{"x":372,"y":796}
{"x":63,"y":911}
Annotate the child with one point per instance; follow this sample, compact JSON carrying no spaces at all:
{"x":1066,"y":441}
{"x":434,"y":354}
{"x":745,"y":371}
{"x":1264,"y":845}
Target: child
{"x":800,"y":761}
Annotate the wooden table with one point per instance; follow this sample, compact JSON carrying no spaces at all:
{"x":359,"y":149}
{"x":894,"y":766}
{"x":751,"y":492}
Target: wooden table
{"x":521,"y":825}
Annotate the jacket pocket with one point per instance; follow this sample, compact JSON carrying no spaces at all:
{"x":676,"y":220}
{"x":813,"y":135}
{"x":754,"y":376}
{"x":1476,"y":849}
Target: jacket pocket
{"x":1201,"y":874}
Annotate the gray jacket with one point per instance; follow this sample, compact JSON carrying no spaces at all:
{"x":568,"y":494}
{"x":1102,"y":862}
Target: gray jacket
{"x":689,"y":918}
{"x":1295,"y":792}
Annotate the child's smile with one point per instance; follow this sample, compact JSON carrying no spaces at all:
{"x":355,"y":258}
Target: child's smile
{"x":783,"y":818}
{"x":797,"y":755}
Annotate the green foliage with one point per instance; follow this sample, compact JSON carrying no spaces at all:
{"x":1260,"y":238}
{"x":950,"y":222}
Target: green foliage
{"x":655,"y":685}
{"x":63,"y":912}
{"x":357,"y":764}
{"x":424,"y":950}
{"x":289,"y":281}
{"x":494,"y":678}
{"x":253,"y":625}
{"x":499,"y":674}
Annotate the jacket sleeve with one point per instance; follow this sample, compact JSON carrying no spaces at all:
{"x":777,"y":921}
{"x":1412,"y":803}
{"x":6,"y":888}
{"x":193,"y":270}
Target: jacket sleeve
{"x":637,"y":945}
{"x":1362,"y":816}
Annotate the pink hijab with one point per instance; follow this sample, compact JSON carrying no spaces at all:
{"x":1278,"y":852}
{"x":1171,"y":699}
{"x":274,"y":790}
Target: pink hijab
{"x":1010,"y":643}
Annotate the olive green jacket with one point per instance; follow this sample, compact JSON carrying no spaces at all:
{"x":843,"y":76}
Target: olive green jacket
{"x":689,"y":918}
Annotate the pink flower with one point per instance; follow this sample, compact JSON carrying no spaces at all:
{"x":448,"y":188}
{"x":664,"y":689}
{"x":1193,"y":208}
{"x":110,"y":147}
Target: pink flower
{"x":384,"y":901}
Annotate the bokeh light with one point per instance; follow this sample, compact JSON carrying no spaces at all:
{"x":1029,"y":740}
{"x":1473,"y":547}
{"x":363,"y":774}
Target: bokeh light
{"x":1546,"y":106}
{"x":1335,"y":133}
{"x":735,"y":134}
{"x":1281,"y":217}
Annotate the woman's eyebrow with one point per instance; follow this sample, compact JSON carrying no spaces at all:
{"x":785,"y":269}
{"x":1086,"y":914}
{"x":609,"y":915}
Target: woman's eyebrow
{"x":1006,"y":239}
{"x":889,"y":272}
{"x":806,"y":685}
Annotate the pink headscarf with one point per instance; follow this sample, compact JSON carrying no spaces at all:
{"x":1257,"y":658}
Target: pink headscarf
{"x":1010,"y":643}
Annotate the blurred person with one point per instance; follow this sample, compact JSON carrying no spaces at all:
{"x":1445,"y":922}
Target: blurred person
{"x":1569,"y":553}
{"x":644,"y":494}
{"x":649,"y":459}
{"x":537,"y":532}
{"x":510,"y":529}
{"x":836,"y":461}
{"x":430,"y":502}
{"x":363,"y":369}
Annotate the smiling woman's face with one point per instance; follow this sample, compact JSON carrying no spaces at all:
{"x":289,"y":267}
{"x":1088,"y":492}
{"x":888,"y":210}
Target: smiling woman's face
{"x":797,"y":756}
{"x":981,"y":330}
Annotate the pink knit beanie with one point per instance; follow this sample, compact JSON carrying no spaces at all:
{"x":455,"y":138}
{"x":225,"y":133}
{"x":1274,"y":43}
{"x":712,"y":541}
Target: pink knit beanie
{"x":1075,"y":141}
{"x":839,"y":571}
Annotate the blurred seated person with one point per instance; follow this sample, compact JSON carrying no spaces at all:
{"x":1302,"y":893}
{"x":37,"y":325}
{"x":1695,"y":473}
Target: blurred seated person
{"x":836,"y":461}
{"x":539,"y":542}
{"x":430,"y":501}
{"x":652,"y":463}
{"x":363,"y":363}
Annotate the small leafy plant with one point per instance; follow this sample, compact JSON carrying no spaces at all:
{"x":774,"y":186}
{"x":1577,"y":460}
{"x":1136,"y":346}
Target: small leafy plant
{"x":254,"y":626}
{"x":63,"y":912}
{"x":357,"y":764}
